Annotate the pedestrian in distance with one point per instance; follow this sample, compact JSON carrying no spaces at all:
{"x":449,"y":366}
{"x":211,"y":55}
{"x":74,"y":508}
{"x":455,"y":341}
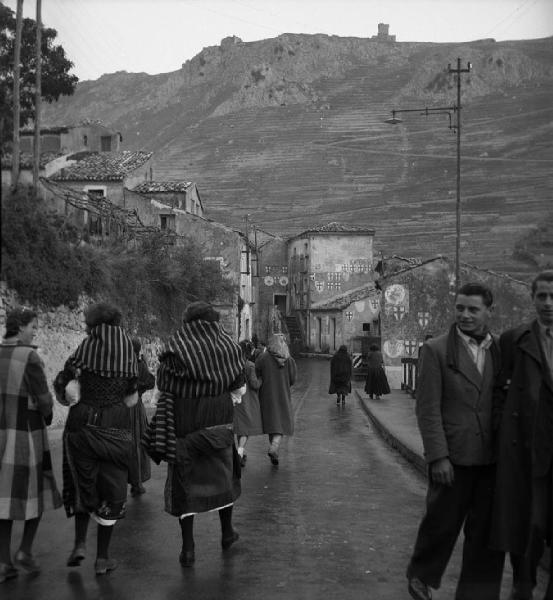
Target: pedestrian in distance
{"x":376,"y":383}
{"x":523,"y":507}
{"x":98,"y":383}
{"x":277,"y":370}
{"x":247,"y":413}
{"x":454,"y":401}
{"x":27,"y":484}
{"x":200,"y":368}
{"x":140,"y":469}
{"x":340,"y":375}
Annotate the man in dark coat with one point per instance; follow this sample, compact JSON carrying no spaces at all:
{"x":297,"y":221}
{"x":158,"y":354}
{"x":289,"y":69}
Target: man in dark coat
{"x":454,"y":413}
{"x":523,"y":506}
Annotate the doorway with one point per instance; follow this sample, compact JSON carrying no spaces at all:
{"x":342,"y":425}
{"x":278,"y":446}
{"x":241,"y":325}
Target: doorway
{"x":279,"y":300}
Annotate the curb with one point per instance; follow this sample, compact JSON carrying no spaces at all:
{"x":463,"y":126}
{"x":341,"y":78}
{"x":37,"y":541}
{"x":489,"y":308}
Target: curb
{"x":415,"y":459}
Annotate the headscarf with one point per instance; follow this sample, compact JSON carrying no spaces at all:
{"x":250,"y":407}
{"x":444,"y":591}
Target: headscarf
{"x":278,"y":348}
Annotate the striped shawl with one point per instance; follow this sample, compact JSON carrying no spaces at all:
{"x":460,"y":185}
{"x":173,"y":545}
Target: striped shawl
{"x":106,"y":351}
{"x":200,"y":359}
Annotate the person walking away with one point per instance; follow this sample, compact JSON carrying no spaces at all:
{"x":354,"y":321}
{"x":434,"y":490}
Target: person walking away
{"x":97,"y":441}
{"x":200,"y":367}
{"x":27,"y":484}
{"x":340,"y":375}
{"x":523,"y":505}
{"x":376,"y":383}
{"x":277,"y":370}
{"x":247,"y":414}
{"x":454,"y":413}
{"x":140,"y":469}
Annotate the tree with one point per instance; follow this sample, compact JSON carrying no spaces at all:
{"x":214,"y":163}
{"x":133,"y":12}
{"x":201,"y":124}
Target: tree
{"x":56,"y":79}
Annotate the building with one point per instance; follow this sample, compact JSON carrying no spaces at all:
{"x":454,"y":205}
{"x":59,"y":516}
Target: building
{"x":327,"y":266}
{"x":383,"y":34}
{"x":183,"y":195}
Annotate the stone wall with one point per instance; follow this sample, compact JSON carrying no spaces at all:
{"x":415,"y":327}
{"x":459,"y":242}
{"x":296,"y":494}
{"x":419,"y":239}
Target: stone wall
{"x":60,"y":331}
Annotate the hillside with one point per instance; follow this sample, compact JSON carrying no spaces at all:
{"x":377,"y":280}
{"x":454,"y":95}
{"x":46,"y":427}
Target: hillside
{"x":291,"y":131}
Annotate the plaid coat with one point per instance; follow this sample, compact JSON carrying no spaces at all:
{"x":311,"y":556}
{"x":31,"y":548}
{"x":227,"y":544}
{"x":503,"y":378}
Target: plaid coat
{"x":27,"y":485}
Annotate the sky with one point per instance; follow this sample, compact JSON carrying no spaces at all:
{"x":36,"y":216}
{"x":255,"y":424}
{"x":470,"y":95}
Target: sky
{"x":157,"y":36}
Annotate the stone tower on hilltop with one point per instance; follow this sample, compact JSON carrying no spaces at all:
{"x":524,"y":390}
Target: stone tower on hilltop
{"x":383,"y":34}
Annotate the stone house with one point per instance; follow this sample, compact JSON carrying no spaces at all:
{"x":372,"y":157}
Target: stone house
{"x":418,"y":301}
{"x":329,"y":266}
{"x":183,"y":195}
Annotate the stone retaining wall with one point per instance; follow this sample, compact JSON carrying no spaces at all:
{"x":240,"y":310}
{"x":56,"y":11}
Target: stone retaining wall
{"x":60,"y":331}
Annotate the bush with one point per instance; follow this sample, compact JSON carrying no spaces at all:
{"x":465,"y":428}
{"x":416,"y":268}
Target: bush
{"x":36,"y":261}
{"x":44,"y":262}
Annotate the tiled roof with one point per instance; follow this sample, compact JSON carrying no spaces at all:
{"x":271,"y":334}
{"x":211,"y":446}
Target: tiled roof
{"x":26,"y":159}
{"x":104,"y":166}
{"x":335,"y":227}
{"x":344,"y":300}
{"x":153,"y":187}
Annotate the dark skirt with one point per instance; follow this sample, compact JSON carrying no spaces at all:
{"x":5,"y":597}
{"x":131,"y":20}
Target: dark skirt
{"x":376,"y":383}
{"x":140,"y":468}
{"x":247,"y":415}
{"x":206,"y":473}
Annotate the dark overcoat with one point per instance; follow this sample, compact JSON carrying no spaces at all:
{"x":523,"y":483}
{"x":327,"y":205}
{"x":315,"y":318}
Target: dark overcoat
{"x":277,"y":375}
{"x":525,"y":383}
{"x":340,"y":373}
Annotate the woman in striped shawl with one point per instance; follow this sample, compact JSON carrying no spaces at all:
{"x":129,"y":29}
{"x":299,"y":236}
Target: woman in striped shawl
{"x":27,"y":485}
{"x":97,"y":441}
{"x":199,"y":366}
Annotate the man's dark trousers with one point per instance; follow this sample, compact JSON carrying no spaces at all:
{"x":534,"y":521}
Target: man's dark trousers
{"x":468,"y":501}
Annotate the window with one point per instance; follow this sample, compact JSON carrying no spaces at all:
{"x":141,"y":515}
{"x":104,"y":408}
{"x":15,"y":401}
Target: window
{"x":96,"y":192}
{"x":105,"y":142}
{"x":85,"y":140}
{"x":167,"y":222}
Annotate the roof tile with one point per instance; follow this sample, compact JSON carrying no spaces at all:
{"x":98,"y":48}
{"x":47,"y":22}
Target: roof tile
{"x":105,"y":166}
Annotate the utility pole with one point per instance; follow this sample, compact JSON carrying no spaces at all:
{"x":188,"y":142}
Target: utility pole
{"x":16,"y":99}
{"x":458,"y":72}
{"x":38,"y":96}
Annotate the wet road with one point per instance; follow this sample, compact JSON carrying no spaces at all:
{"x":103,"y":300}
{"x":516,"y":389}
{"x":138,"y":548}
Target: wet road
{"x":336,"y":520}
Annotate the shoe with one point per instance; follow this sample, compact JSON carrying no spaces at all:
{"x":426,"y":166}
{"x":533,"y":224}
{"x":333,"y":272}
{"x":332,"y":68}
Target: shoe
{"x":26,"y":562}
{"x":7,"y":572}
{"x":137,"y":490}
{"x":243,"y":459}
{"x":377,"y":398}
{"x":187,"y":558}
{"x":78,"y":554}
{"x":273,"y":455}
{"x":419,"y":590}
{"x":227,"y":542}
{"x":103,"y":565}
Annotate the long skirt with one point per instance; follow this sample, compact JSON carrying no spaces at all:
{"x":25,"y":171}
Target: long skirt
{"x":140,"y":469}
{"x":206,"y":473}
{"x":377,"y":382}
{"x":247,"y":415}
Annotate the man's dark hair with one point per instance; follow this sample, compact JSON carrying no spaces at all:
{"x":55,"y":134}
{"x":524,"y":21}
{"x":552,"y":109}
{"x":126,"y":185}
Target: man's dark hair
{"x":477,"y":289}
{"x":102,"y":312}
{"x":542,"y":276}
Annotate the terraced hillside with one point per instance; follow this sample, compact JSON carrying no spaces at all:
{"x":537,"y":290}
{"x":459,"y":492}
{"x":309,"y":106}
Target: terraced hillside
{"x":291,"y":131}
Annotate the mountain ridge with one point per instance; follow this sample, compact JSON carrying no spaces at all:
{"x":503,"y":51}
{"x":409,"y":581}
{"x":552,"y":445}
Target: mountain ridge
{"x":290,"y":130}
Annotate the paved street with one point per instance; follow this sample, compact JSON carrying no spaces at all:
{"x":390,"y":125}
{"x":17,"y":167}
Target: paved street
{"x":336,"y":520}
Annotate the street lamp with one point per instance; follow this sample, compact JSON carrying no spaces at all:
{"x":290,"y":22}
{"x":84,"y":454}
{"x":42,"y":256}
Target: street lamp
{"x":448,"y":110}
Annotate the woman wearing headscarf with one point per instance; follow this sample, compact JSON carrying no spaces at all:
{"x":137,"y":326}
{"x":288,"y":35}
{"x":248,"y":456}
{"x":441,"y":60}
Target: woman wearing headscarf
{"x":140,"y":469}
{"x":277,"y":370}
{"x":97,"y":440}
{"x":376,"y":383}
{"x":247,"y":414}
{"x":340,"y":374}
{"x":199,"y":366}
{"x":27,"y":485}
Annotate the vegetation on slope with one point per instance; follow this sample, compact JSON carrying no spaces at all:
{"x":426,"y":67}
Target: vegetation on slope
{"x":151,"y":283}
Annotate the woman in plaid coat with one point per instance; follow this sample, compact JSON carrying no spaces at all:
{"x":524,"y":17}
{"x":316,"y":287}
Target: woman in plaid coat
{"x":27,"y":485}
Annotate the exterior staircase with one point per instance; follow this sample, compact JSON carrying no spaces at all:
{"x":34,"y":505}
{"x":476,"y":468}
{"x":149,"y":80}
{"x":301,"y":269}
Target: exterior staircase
{"x":295,"y":334}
